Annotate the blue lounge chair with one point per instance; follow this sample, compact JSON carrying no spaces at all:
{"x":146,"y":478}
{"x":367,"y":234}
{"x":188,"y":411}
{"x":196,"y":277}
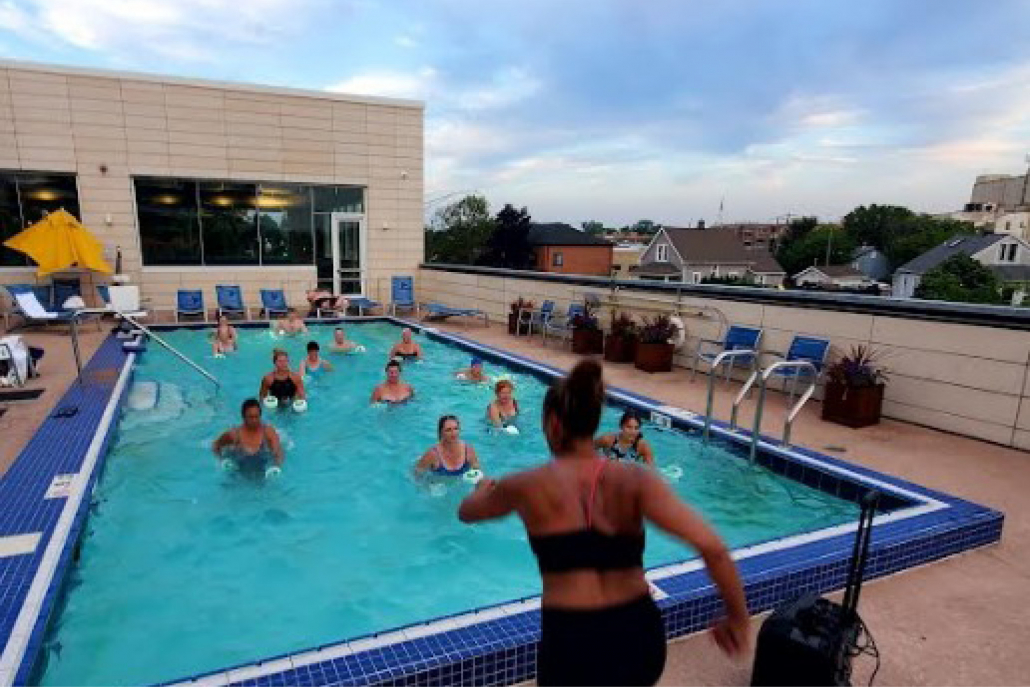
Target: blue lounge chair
{"x":190,"y":303}
{"x":63,"y":289}
{"x":560,"y":326}
{"x":362,"y":304}
{"x":402,"y":295}
{"x":738,"y":338}
{"x":533,"y":318}
{"x":230,"y":301}
{"x":439,"y":311}
{"x":809,"y":348}
{"x":273,"y":302}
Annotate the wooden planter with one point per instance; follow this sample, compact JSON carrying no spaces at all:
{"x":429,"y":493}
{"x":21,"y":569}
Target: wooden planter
{"x":654,"y":357}
{"x":619,"y":350}
{"x":587,"y":341}
{"x":853,"y":406}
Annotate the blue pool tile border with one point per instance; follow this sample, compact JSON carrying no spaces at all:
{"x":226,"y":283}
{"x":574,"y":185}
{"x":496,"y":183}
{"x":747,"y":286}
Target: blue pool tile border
{"x":497,"y":644}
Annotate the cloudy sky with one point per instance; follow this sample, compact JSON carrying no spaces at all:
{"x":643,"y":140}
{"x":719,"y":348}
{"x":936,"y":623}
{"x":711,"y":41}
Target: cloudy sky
{"x":619,"y":110}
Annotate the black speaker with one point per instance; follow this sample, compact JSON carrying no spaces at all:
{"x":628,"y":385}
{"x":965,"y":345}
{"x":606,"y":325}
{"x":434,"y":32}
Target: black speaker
{"x":810,"y":641}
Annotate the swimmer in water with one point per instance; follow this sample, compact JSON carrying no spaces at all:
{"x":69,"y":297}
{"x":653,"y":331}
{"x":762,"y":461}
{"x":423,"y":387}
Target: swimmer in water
{"x":313,"y":362}
{"x":474,"y":372}
{"x":292,"y":325}
{"x":252,"y":445}
{"x":341,"y":344}
{"x":224,"y":340}
{"x":393,"y":390}
{"x":628,"y":443}
{"x":282,"y":382}
{"x":406,"y":349}
{"x":504,"y":408}
{"x":450,"y":456}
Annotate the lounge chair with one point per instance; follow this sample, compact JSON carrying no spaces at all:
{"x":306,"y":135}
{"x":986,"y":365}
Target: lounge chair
{"x":362,"y":304}
{"x":402,"y":295}
{"x":809,"y":348}
{"x":738,"y":338}
{"x":273,"y":302}
{"x":34,"y":312}
{"x":189,"y":303}
{"x":63,"y":289}
{"x":439,"y":311}
{"x":560,"y":326}
{"x":230,"y":301}
{"x":533,"y":317}
{"x":122,"y":299}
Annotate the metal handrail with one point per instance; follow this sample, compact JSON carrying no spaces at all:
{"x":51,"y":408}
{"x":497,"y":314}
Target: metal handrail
{"x":757,"y":428}
{"x":169,"y":347}
{"x":711,"y":382}
{"x":745,"y":389}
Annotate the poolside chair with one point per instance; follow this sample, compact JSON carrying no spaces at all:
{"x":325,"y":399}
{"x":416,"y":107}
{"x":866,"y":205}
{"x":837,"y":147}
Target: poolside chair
{"x":810,"y":348}
{"x":273,"y":302}
{"x":122,"y":298}
{"x":362,"y":304}
{"x":402,"y":294}
{"x":189,"y":303}
{"x":33,"y":311}
{"x":738,"y":338}
{"x":439,"y":311}
{"x":62,"y":290}
{"x":230,"y":301}
{"x":533,"y":317}
{"x":560,"y":326}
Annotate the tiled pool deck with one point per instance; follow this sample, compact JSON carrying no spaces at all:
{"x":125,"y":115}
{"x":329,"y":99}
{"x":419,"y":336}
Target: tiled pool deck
{"x":494,"y":645}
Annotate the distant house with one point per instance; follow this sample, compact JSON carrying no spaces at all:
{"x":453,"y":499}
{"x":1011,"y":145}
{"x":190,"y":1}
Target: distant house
{"x":625,"y":257}
{"x":835,"y":276}
{"x":1007,"y":256}
{"x":691,"y":255}
{"x":871,"y":262}
{"x":561,"y":248}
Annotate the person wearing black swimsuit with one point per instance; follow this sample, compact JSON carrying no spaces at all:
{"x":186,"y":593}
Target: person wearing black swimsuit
{"x":406,"y":349}
{"x":282,"y":382}
{"x":585,"y":515}
{"x":628,"y":443}
{"x":252,"y":445}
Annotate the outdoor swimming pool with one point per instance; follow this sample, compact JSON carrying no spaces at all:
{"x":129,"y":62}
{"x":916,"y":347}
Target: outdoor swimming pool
{"x":185,"y":568}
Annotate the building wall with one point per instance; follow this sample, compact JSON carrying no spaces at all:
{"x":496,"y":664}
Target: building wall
{"x":595,"y":260}
{"x":966,"y":379}
{"x":1006,"y":191}
{"x":651,"y":252}
{"x":1013,"y":223}
{"x":108,"y":127}
{"x":625,"y":258}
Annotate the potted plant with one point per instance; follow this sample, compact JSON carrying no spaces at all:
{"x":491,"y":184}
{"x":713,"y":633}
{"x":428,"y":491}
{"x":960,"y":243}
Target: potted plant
{"x":587,"y":337}
{"x":653,"y":350}
{"x":517,"y":306}
{"x":621,"y":343}
{"x":854,"y":388}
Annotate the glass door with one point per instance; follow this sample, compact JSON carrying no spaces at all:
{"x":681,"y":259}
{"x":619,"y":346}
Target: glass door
{"x":349,"y":250}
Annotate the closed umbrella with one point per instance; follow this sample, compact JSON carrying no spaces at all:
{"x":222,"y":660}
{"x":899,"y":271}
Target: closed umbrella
{"x":58,"y":242}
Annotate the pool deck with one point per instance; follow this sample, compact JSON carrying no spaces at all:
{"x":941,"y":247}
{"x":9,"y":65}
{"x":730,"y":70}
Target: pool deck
{"x":959,"y":621}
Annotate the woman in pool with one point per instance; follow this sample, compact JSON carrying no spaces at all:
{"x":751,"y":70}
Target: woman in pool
{"x":224,"y":340}
{"x":585,"y":519}
{"x":450,"y":456}
{"x":292,"y":325}
{"x":313,"y":362}
{"x":503,"y":410}
{"x":282,"y":382}
{"x":474,"y":372}
{"x":341,"y":344}
{"x":320,"y":299}
{"x":628,"y":443}
{"x":406,"y":349}
{"x":393,"y":390}
{"x":252,"y":446}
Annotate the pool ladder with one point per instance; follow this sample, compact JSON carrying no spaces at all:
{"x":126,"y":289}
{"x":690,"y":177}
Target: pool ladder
{"x":761,"y":375}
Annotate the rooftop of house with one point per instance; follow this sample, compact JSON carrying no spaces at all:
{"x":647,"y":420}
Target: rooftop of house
{"x":836,"y":271}
{"x":956,"y":245}
{"x":561,"y":234}
{"x":720,"y":246}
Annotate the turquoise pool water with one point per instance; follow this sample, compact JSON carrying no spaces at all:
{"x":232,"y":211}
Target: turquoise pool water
{"x":186,"y":569}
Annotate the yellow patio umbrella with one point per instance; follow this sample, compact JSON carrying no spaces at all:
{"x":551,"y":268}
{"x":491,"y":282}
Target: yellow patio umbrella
{"x":58,"y":242}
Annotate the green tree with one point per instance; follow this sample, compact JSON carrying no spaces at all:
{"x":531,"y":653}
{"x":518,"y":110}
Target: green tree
{"x":593,"y":227}
{"x":460,"y":231}
{"x":961,"y":279}
{"x":812,"y":246}
{"x":924,"y":232}
{"x":876,"y":225}
{"x":646,"y":226}
{"x":509,"y":244}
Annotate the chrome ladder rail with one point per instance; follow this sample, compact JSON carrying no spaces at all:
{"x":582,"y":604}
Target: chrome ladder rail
{"x":725,"y":355}
{"x":792,"y":413}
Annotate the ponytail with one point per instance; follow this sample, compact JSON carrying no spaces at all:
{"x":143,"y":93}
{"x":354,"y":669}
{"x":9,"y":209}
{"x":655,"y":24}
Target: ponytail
{"x":576,"y":401}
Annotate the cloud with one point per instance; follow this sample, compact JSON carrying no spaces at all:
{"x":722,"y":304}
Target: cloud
{"x":390,"y":83}
{"x":405,"y":41}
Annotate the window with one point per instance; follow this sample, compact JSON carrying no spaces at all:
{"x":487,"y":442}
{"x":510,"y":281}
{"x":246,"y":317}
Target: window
{"x":169,"y":224}
{"x":25,"y":198}
{"x":557,"y":260}
{"x":696,"y":277}
{"x":662,"y":252}
{"x":284,"y":224}
{"x":1007,"y":252}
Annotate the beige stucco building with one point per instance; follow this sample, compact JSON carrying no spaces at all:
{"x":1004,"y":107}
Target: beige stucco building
{"x":200,"y":183}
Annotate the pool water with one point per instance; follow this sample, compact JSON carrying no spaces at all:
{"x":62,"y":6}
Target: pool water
{"x":186,"y":568}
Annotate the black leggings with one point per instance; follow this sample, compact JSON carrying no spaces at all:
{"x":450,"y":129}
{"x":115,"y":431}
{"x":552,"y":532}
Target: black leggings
{"x":617,"y":645}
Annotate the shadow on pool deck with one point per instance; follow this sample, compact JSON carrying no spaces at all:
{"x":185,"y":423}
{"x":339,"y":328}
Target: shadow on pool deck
{"x":958,"y":622}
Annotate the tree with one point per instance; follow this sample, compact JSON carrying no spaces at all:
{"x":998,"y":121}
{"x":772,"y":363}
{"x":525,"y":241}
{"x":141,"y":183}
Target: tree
{"x":509,"y":244}
{"x":876,"y":225}
{"x":460,"y":231}
{"x":646,"y":226}
{"x":593,"y":227}
{"x":961,"y":279}
{"x":924,"y":232}
{"x":810,"y":248}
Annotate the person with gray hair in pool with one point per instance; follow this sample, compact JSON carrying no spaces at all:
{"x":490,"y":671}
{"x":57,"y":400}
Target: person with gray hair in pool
{"x":406,"y":349}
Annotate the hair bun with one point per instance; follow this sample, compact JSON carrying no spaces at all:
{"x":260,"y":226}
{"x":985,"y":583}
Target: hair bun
{"x":585,"y":383}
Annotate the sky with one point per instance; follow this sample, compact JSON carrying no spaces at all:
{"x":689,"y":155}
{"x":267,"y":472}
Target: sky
{"x":619,"y":110}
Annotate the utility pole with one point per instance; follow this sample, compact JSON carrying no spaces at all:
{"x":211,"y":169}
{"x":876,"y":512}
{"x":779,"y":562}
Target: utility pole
{"x":829,"y":244}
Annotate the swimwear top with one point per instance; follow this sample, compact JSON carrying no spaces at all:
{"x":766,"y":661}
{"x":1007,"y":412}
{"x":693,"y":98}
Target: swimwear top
{"x":616,"y":452}
{"x":248,"y":462}
{"x":442,"y":469}
{"x":506,"y":419}
{"x":588,"y":548}
{"x":283,"y":389}
{"x":406,"y":356}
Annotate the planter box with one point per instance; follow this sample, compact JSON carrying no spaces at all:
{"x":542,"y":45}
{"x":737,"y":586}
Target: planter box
{"x":619,"y":350}
{"x":513,"y":321}
{"x":853,"y":407}
{"x":587,"y":341}
{"x":654,"y":357}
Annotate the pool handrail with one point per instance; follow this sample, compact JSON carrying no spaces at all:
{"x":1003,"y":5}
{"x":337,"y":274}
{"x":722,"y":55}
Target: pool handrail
{"x":128,"y":318}
{"x":723,"y":355}
{"x":792,"y":413}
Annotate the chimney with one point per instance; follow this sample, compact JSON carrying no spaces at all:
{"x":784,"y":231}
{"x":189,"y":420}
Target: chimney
{"x":700,"y":224}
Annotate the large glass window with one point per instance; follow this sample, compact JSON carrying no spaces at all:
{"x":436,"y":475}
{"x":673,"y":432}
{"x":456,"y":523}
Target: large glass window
{"x":168,"y":221}
{"x":25,"y":198}
{"x":339,"y":199}
{"x":228,"y":215}
{"x":284,"y":224}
